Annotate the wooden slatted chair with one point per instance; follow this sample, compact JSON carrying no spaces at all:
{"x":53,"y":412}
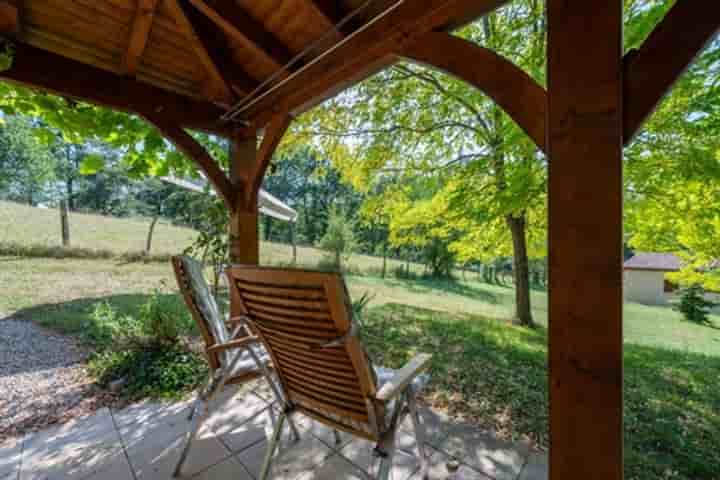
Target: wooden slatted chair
{"x":304,"y":319}
{"x":235,"y":356}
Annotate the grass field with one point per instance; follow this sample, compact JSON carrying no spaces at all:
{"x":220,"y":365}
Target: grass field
{"x":484,"y":369}
{"x":37,"y":226}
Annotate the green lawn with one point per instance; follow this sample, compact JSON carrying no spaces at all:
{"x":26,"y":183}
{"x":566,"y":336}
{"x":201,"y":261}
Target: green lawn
{"x":484,"y":369}
{"x":38,"y":226}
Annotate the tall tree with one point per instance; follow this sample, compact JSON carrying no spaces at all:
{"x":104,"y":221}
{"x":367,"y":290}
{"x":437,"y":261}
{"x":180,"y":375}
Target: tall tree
{"x":415,"y":122}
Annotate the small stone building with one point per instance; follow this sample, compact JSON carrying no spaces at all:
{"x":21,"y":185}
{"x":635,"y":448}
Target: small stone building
{"x":645,"y":277}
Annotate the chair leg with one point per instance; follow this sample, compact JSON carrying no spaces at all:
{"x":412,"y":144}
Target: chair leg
{"x":276,"y":392}
{"x":274,"y":441}
{"x":197,"y":421}
{"x":419,"y":429}
{"x":338,"y":439}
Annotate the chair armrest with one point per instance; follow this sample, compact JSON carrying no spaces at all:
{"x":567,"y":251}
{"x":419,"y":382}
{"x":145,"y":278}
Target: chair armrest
{"x":232,"y":344}
{"x":404,"y":377}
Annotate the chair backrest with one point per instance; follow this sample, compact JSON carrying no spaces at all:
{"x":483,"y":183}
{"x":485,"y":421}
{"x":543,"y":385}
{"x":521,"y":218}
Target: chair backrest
{"x":202,"y":305}
{"x":294,"y":312}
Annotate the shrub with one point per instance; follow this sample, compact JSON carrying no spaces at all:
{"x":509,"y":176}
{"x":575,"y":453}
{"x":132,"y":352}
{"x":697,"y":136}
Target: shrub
{"x":105,"y":327}
{"x":162,"y":317}
{"x":401,"y":272}
{"x":694,"y":306}
{"x":159,"y":371}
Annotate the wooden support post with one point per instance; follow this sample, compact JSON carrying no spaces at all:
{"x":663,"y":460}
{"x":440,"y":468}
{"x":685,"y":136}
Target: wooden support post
{"x":585,"y":139}
{"x":244,"y":236}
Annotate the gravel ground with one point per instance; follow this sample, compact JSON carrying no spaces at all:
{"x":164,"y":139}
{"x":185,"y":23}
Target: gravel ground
{"x":42,"y":378}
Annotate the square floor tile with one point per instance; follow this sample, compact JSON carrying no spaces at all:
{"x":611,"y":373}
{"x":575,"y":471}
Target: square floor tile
{"x":291,"y":460}
{"x":361,"y":453}
{"x":536,"y":468}
{"x":484,"y":452}
{"x":10,"y":451}
{"x":156,"y":456}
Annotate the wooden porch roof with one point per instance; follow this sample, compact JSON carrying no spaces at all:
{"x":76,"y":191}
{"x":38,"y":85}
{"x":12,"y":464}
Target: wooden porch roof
{"x":204,"y":62}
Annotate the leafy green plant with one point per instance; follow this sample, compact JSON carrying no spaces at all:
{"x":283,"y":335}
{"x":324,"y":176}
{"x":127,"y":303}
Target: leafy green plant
{"x":161,"y":317}
{"x":106,"y":328}
{"x":339,"y":238}
{"x":159,"y":371}
{"x":694,"y":306}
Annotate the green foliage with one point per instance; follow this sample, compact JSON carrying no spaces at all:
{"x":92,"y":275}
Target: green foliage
{"x":7,"y":56}
{"x":339,"y":238}
{"x":106,"y":328}
{"x":694,"y":306}
{"x":162,"y":315}
{"x":159,"y":371}
{"x":91,"y":164}
{"x":496,"y":375}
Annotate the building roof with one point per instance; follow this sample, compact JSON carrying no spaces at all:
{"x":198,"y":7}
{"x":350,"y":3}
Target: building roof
{"x":661,"y":262}
{"x":267,"y":204}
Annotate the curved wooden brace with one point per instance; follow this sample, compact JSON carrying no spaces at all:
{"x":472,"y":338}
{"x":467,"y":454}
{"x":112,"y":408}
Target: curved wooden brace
{"x":198,"y":154}
{"x":274,"y":132}
{"x":651,"y":71}
{"x":523,"y":99}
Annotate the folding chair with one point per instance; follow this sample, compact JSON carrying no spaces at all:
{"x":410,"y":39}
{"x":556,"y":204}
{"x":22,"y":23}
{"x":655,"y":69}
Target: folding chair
{"x":304,"y":320}
{"x":235,"y":356}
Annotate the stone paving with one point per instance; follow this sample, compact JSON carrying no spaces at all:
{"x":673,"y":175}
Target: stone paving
{"x":143,"y":442}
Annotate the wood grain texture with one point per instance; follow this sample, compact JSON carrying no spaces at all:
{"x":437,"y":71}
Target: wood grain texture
{"x":585,"y":239}
{"x":523,"y":99}
{"x":651,"y":71}
{"x":139,"y":34}
{"x":274,"y":132}
{"x":366,"y":52}
{"x":245,"y":30}
{"x":218,"y":87}
{"x":9,"y":17}
{"x":94,"y":85}
{"x":199,"y":155}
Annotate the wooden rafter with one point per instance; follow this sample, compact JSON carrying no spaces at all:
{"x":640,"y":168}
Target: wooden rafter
{"x":331,"y":13}
{"x":273,"y":135}
{"x":523,"y":99}
{"x":651,"y":71}
{"x":38,"y":68}
{"x":218,"y":86}
{"x":198,"y":154}
{"x":366,"y":52}
{"x":245,"y":30}
{"x":213,"y":42}
{"x":139,"y":33}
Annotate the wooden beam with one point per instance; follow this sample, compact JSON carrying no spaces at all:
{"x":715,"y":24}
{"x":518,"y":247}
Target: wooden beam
{"x":366,"y":52}
{"x":213,"y":43}
{"x":59,"y":75}
{"x":271,"y":139}
{"x":523,"y":99}
{"x":245,"y":30}
{"x":331,"y":12}
{"x":651,"y":71}
{"x":585,"y":239}
{"x":9,"y":17}
{"x":139,"y":33}
{"x":218,"y":86}
{"x":200,"y":156}
{"x":244,"y":235}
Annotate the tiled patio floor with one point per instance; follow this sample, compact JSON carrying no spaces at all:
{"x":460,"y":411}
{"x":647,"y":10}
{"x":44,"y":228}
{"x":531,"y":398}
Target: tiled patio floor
{"x":143,"y":442}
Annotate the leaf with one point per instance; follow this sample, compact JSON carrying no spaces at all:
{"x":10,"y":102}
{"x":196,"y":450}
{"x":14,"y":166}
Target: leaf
{"x":92,"y":164}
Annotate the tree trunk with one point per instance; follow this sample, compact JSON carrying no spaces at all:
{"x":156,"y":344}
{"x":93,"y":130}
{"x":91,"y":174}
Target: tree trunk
{"x":64,"y":223}
{"x":70,"y":188}
{"x":148,"y":242}
{"x":384,"y":267}
{"x":523,"y":312}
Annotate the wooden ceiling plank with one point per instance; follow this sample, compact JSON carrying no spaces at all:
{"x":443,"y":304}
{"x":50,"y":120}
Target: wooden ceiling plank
{"x":39,"y":69}
{"x":217,"y":87}
{"x":366,"y":52}
{"x":651,"y":71}
{"x":9,"y":17}
{"x":139,"y":35}
{"x":331,"y":13}
{"x":245,"y":30}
